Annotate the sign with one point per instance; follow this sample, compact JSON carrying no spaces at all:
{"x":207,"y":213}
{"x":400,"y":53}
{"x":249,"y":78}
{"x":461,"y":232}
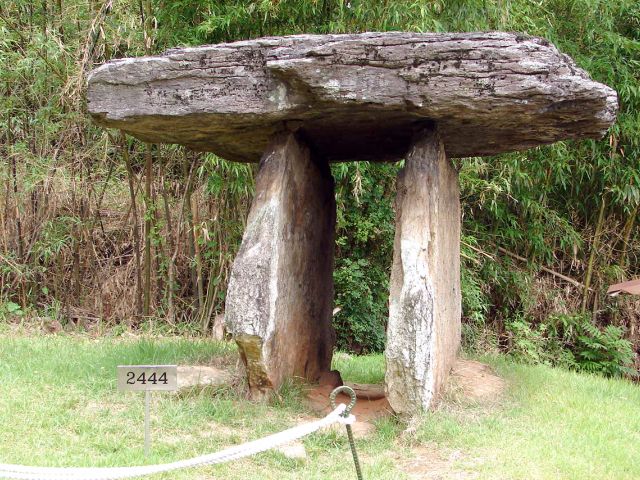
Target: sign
{"x":147,"y":378}
{"x":138,"y":378}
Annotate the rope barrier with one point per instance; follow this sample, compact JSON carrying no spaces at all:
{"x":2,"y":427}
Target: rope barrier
{"x":21,"y":472}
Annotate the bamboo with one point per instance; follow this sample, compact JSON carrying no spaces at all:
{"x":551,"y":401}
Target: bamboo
{"x":159,"y":244}
{"x":525,"y":260}
{"x":136,"y":227}
{"x":196,"y":245}
{"x":626,"y":237}
{"x":7,"y":202}
{"x":145,"y":13}
{"x":18,"y":222}
{"x":207,"y":309}
{"x":147,"y":230}
{"x":190,"y":242}
{"x":170,"y":248}
{"x":60,"y":21}
{"x":592,"y":255}
{"x":544,"y":269}
{"x":183,"y":208}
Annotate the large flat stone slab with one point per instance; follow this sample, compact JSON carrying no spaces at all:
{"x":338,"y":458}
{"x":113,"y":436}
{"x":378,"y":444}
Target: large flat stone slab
{"x":356,"y":97}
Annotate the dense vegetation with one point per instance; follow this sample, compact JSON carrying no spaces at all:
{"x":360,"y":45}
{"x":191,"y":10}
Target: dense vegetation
{"x":97,"y":229}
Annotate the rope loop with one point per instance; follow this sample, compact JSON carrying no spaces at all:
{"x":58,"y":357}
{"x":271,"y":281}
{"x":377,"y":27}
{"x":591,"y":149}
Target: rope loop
{"x":349,"y":391}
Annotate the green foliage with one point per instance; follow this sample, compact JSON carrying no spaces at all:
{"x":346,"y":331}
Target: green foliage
{"x":364,"y":245}
{"x":604,"y":351}
{"x":9,"y":309}
{"x":541,"y":205}
{"x":361,"y":321}
{"x":573,"y":341}
{"x":593,"y":349}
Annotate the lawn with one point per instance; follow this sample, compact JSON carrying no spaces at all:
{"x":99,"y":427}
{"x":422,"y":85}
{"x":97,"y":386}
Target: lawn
{"x":59,"y":406}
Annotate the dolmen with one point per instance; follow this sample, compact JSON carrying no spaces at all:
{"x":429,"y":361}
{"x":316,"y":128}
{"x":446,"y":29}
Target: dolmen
{"x":296,"y":104}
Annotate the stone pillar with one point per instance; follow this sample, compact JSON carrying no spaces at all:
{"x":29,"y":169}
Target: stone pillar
{"x":423,"y":334}
{"x":280,"y":293}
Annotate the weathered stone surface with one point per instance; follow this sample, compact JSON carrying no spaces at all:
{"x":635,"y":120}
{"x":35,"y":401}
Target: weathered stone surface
{"x":368,"y":391}
{"x":355,"y":97}
{"x":192,"y":377}
{"x":280,"y":293}
{"x":218,"y":329}
{"x":423,"y":334}
{"x":331,"y":379}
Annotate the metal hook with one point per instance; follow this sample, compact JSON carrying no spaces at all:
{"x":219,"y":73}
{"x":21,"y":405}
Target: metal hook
{"x":347,"y":411}
{"x":349,"y":391}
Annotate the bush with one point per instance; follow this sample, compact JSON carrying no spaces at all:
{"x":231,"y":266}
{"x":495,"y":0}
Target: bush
{"x":364,"y":248}
{"x":593,"y":349}
{"x":573,"y":341}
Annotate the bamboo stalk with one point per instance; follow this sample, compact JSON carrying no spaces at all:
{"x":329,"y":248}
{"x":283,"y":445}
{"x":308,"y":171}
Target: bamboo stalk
{"x":626,"y":237}
{"x":18,"y":222}
{"x":170,"y":248}
{"x":7,"y":202}
{"x":145,"y":15}
{"x":213,"y":283}
{"x":525,"y":260}
{"x":147,"y":230}
{"x":60,"y":22}
{"x":592,"y":255}
{"x":159,"y":245}
{"x":136,"y":227}
{"x":183,"y":208}
{"x":190,"y":242}
{"x":196,"y":245}
{"x":544,"y":269}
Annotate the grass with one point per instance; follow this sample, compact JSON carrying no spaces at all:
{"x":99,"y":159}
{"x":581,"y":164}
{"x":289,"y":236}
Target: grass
{"x":555,"y":424}
{"x":59,"y":406}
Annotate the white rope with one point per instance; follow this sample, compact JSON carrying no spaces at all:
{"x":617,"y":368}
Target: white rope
{"x":21,"y":472}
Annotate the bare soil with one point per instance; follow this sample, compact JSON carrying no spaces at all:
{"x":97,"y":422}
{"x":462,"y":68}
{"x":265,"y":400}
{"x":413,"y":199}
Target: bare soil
{"x":470,"y":382}
{"x":475,"y":381}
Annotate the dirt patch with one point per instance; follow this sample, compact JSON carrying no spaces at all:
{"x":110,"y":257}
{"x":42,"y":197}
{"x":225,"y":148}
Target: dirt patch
{"x":371,"y":405}
{"x":366,"y":410}
{"x":476,"y":382}
{"x":198,"y":377}
{"x":469,"y":381}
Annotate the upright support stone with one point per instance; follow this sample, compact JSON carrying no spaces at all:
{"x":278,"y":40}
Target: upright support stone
{"x":280,"y":293}
{"x":423,"y":334}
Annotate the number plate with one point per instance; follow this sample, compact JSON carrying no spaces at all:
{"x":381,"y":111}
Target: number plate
{"x":147,"y":377}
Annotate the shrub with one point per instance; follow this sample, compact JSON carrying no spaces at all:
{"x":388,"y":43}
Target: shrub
{"x":360,"y":324}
